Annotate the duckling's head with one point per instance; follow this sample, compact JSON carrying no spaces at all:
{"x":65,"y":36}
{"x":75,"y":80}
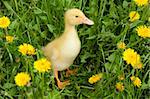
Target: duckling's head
{"x":76,"y":17}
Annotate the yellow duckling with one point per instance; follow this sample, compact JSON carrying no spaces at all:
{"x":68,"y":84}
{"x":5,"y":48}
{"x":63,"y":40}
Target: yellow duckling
{"x":63,"y":50}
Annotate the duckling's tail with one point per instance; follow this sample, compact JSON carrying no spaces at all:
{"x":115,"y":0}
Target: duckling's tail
{"x":43,"y":48}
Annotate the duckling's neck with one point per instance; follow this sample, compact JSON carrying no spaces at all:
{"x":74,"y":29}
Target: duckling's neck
{"x":70,"y":31}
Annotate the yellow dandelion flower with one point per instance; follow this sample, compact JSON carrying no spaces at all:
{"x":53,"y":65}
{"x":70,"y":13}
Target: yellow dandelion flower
{"x":136,"y":60}
{"x":139,"y":65}
{"x":121,"y":77}
{"x":9,"y":39}
{"x":26,"y":49}
{"x":132,"y":78}
{"x":141,"y":2}
{"x":42,"y":65}
{"x":136,"y":81}
{"x":131,"y":57}
{"x":119,"y":86}
{"x":143,"y":31}
{"x":121,"y":45}
{"x":4,"y":22}
{"x":134,"y":16}
{"x":95,"y":78}
{"x":22,"y":79}
{"x":31,"y":50}
{"x":23,"y":49}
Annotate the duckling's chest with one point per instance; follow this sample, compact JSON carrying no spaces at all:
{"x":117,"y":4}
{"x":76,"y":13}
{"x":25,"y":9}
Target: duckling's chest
{"x":71,"y":47}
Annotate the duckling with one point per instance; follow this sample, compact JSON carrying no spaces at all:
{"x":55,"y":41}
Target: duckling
{"x":63,"y":50}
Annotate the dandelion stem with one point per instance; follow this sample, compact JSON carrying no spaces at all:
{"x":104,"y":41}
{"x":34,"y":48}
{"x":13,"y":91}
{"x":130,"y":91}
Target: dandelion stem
{"x":6,"y":32}
{"x":136,"y":72}
{"x":26,"y":63}
{"x":42,"y":83}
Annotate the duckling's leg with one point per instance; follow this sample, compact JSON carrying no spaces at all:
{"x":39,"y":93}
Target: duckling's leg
{"x":60,"y":84}
{"x":71,"y":72}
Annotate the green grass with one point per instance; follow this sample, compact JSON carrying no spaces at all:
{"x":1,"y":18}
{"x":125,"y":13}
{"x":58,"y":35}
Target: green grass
{"x":40,"y":21}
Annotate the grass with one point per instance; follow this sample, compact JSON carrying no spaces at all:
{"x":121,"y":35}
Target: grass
{"x":38,"y":22}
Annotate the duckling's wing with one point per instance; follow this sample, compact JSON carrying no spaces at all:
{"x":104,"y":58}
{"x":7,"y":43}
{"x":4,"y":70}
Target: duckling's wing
{"x":54,"y":54}
{"x":51,"y":52}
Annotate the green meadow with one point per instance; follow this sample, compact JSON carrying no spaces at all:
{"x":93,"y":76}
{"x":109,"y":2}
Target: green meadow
{"x":38,"y":22}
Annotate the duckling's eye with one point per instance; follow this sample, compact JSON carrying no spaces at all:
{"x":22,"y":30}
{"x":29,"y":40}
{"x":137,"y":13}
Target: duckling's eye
{"x":76,"y":16}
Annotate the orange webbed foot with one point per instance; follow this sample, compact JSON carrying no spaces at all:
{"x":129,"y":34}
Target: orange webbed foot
{"x":71,"y":72}
{"x":62,"y":85}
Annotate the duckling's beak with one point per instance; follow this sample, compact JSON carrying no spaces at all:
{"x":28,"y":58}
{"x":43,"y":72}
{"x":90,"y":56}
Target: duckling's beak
{"x":87,"y":21}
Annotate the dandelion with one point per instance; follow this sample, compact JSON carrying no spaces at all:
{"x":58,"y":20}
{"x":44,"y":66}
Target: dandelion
{"x":131,"y":57}
{"x":9,"y":39}
{"x":143,"y":31}
{"x":22,"y":79}
{"x":4,"y":22}
{"x":121,"y":45}
{"x":134,"y":16}
{"x":31,"y":50}
{"x":121,"y":77}
{"x":136,"y":81}
{"x":141,"y":2}
{"x":95,"y":78}
{"x":139,"y":65}
{"x":132,"y":78}
{"x":23,"y":49}
{"x":119,"y":86}
{"x":26,"y":49}
{"x":42,"y":65}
